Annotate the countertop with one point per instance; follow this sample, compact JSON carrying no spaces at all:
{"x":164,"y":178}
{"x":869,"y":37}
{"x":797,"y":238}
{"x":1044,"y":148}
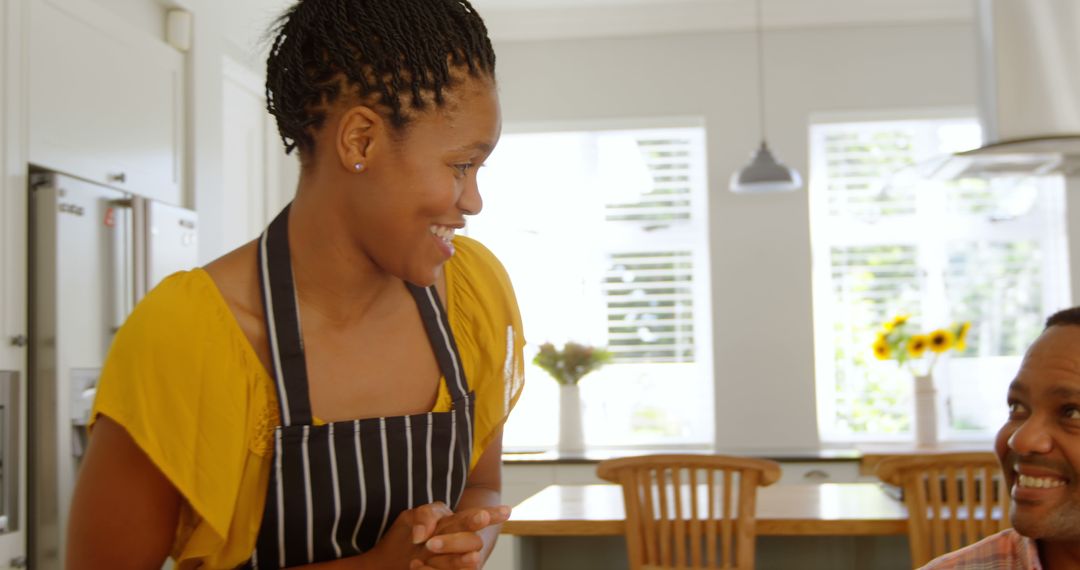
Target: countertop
{"x":824,"y":454}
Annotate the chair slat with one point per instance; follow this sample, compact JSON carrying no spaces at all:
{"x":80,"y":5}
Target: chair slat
{"x":953,"y":522}
{"x":679,"y":521}
{"x":970,"y":532}
{"x":920,"y":542}
{"x":662,"y":490}
{"x":937,"y":528}
{"x":710,"y":520}
{"x":648,"y":519}
{"x":726,"y":556}
{"x":695,"y":521}
{"x":987,"y":501}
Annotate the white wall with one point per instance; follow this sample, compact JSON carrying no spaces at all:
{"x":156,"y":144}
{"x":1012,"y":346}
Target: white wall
{"x":205,"y":124}
{"x":145,"y":16}
{"x":247,"y":24}
{"x":763,"y":343}
{"x":1072,"y":225}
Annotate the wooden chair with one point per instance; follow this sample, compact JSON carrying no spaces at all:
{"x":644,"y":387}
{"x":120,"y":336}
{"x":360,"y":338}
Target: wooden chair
{"x":679,"y":507}
{"x":953,"y":500}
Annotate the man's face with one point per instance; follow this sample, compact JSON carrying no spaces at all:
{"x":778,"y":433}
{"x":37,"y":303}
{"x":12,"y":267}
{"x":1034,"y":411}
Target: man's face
{"x":1039,"y":445}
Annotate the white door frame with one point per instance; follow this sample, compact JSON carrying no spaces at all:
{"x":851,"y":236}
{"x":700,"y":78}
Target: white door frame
{"x":14,"y":218}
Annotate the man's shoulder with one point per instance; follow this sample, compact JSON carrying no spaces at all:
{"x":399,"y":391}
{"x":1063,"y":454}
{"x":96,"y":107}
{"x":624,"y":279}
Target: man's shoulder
{"x":1006,"y":550}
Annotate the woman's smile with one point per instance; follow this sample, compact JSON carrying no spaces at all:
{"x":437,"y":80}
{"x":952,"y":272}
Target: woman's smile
{"x":444,"y":238}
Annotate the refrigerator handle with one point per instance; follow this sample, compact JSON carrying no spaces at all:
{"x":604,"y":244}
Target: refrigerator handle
{"x":126,"y":260}
{"x":140,"y":230}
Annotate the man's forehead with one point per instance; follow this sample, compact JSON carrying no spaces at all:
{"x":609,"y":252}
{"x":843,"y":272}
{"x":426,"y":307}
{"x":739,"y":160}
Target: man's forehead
{"x":1058,"y":346}
{"x":1053,"y":379}
{"x":1058,"y":388}
{"x":1052,"y":364}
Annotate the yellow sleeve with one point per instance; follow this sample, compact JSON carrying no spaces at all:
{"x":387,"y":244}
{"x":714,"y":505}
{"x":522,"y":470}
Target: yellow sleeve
{"x":180,"y":385}
{"x":484,"y":316}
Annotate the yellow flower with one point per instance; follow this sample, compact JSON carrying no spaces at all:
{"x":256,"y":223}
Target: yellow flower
{"x":881,"y":348}
{"x":899,"y":320}
{"x":941,"y":340}
{"x":917,"y":345}
{"x":961,"y":336}
{"x":888,"y":327}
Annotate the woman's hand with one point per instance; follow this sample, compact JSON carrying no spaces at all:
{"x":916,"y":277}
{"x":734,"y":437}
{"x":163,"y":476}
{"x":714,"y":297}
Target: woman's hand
{"x":433,"y":534}
{"x":456,"y":544}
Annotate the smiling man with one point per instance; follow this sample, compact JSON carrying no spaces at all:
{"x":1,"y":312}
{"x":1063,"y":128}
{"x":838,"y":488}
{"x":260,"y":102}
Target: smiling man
{"x":1039,"y":449}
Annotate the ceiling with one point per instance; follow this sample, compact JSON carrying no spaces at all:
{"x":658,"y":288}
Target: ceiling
{"x":520,"y":20}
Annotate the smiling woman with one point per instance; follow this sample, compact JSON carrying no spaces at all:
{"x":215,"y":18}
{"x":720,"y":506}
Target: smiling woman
{"x":332,"y":393}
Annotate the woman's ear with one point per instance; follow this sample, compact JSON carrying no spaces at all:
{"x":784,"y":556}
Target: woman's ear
{"x":358,"y":132}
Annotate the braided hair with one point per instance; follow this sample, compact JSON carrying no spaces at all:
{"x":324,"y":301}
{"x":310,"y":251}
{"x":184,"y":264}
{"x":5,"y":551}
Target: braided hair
{"x":395,"y":55}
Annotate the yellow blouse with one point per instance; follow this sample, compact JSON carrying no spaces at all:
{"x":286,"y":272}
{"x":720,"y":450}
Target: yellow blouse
{"x":183,"y":380}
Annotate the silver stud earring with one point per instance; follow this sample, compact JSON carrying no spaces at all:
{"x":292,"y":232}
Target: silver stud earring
{"x":358,"y":167}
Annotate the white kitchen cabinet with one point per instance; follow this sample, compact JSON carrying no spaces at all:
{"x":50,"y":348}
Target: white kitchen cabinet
{"x":578,"y":474}
{"x":106,"y":101}
{"x":519,"y":482}
{"x":794,"y":473}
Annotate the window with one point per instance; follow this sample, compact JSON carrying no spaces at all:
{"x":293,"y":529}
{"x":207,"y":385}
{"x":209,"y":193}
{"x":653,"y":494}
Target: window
{"x":886,"y":242}
{"x":604,"y":236}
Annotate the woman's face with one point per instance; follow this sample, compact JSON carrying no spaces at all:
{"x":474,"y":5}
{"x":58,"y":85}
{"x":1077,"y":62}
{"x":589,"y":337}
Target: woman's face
{"x":418,"y":187}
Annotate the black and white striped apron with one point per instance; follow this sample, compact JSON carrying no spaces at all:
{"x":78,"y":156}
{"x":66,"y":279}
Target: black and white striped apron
{"x":336,"y":488}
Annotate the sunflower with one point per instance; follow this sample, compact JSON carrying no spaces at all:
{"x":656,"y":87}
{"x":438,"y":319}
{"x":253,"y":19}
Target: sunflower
{"x":917,"y":345}
{"x":899,"y":320}
{"x":941,"y":340}
{"x":961,"y":336}
{"x":881,"y":348}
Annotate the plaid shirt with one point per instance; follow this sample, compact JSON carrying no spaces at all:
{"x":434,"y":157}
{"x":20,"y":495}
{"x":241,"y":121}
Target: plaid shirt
{"x":1006,"y":550}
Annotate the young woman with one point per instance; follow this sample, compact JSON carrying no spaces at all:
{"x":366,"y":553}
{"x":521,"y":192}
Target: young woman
{"x":330,"y":395}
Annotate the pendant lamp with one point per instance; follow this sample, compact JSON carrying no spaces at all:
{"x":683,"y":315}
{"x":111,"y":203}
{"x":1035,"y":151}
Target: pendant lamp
{"x":764,"y":173}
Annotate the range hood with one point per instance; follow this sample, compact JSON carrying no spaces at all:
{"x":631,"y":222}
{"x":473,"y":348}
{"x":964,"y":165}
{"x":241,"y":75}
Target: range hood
{"x":1029,"y":92}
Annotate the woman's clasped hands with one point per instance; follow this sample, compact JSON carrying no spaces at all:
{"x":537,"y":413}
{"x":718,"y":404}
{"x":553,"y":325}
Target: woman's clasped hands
{"x":433,"y":537}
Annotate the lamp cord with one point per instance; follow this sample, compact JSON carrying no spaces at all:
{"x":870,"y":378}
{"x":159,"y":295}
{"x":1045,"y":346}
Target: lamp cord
{"x":761,"y":72}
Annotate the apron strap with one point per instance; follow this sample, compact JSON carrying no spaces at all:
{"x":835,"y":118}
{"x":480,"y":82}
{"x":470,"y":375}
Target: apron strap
{"x":283,"y":327}
{"x":441,"y":338}
{"x":283,"y":322}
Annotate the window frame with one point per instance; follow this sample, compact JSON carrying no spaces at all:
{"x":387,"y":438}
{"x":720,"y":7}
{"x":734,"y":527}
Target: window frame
{"x":1055,"y":286}
{"x":692,"y":235}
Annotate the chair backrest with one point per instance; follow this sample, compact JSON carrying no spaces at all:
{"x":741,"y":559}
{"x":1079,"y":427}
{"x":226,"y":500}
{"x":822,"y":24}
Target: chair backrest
{"x":953,"y":500}
{"x":690,"y":511}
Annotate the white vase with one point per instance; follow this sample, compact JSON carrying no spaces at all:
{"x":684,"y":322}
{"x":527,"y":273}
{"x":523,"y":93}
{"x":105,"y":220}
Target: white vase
{"x":925,"y":420}
{"x":571,"y":434}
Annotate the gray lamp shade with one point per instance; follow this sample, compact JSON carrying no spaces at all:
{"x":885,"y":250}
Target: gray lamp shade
{"x":765,"y":174}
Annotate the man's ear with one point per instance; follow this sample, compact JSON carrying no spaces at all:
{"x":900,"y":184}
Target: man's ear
{"x":359,"y":131}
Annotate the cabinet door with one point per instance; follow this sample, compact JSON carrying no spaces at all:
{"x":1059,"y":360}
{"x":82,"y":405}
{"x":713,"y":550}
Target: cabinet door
{"x":106,"y":101}
{"x":816,"y":472}
{"x":244,"y":167}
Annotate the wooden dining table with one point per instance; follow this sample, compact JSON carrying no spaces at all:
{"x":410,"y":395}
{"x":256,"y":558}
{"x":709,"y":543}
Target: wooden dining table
{"x":580,"y":526}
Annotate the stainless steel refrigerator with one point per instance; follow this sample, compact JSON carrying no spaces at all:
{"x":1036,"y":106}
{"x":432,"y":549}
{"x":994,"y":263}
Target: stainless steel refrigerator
{"x":95,"y":251}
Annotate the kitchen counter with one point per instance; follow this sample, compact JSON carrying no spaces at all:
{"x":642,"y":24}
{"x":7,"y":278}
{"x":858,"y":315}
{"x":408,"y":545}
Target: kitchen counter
{"x":869,"y":453}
